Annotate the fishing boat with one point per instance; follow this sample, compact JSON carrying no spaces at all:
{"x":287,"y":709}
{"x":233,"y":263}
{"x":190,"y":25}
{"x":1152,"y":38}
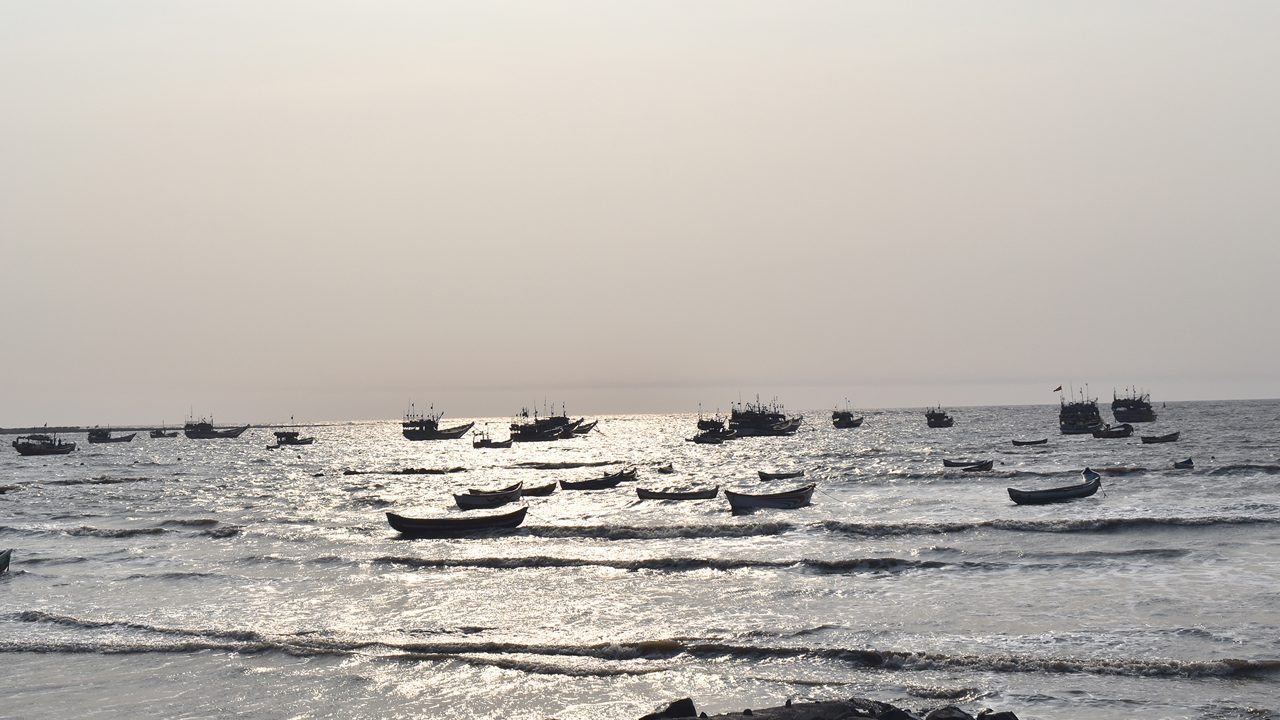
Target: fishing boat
{"x":667,"y":469}
{"x":1092,"y":481}
{"x":542,"y":429}
{"x":785,"y":500}
{"x":760,"y":420}
{"x":42,"y":445}
{"x":712,"y":431}
{"x":780,"y":475}
{"x":103,"y":435}
{"x":983,"y":466}
{"x":844,"y":419}
{"x":482,"y":440}
{"x":600,"y":483}
{"x":426,"y":426}
{"x":163,"y":433}
{"x":938,"y":418}
{"x":582,"y":428}
{"x":961,"y":463}
{"x":292,"y":437}
{"x":1132,"y":407}
{"x":1114,"y":432}
{"x":455,"y":525}
{"x":538,"y":490}
{"x":4,"y":560}
{"x":475,"y":499}
{"x":701,"y":494}
{"x":1026,"y":443}
{"x":1078,"y":417}
{"x":1184,"y":464}
{"x":1156,"y":439}
{"x":203,"y":429}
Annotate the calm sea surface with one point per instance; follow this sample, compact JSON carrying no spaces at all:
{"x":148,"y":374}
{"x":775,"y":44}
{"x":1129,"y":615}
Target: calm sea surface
{"x":181,"y":578}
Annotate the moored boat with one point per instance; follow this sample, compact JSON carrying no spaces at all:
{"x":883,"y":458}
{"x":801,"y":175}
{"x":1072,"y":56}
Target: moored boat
{"x":542,"y":429}
{"x":419,"y":426}
{"x":1114,"y":432}
{"x":780,"y":475}
{"x":4,"y":560}
{"x":163,"y":433}
{"x":665,"y":469}
{"x":455,"y":525}
{"x":1133,"y":407}
{"x":583,"y":428}
{"x":785,"y":500}
{"x":757,"y":419}
{"x":1092,"y":481}
{"x":1025,"y":443}
{"x":292,"y":437}
{"x":961,"y":463}
{"x":844,"y":419}
{"x":538,"y":490}
{"x":204,"y":430}
{"x":1187,"y":464}
{"x":482,"y":440}
{"x":475,"y":499}
{"x":938,"y":418}
{"x":700,"y":494}
{"x":42,"y":445}
{"x":1078,"y":417}
{"x":1157,"y":439}
{"x":600,"y":483}
{"x":103,"y":435}
{"x":983,"y":466}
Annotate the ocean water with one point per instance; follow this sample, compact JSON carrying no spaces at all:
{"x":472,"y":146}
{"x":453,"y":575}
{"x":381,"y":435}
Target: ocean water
{"x":181,"y":578}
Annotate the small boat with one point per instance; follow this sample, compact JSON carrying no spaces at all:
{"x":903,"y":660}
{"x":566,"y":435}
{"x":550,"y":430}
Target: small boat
{"x":455,"y":525}
{"x":542,"y":429}
{"x":1025,"y":443}
{"x":713,"y":436}
{"x":584,"y":428}
{"x":780,"y":476}
{"x":844,"y":419}
{"x":706,"y":494}
{"x":786,"y":500}
{"x":478,"y":499}
{"x":203,"y":430}
{"x":1092,"y":481}
{"x":538,"y":490}
{"x":758,"y":419}
{"x":482,"y":440}
{"x":290,"y":437}
{"x":4,"y":560}
{"x":103,"y":435}
{"x":161,"y":433}
{"x":42,"y":445}
{"x":984,"y":466}
{"x":665,"y":469}
{"x":938,"y":418}
{"x":600,"y":483}
{"x":1184,"y":464}
{"x":961,"y":463}
{"x":1134,"y":407}
{"x":1114,"y":432}
{"x":417,"y":426}
{"x":1078,"y":417}
{"x":1154,"y":439}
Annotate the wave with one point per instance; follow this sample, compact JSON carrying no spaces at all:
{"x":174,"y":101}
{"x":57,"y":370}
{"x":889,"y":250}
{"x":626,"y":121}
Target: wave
{"x":407,"y":471}
{"x":85,"y":531}
{"x":100,"y":480}
{"x":170,"y":576}
{"x":540,"y":465}
{"x":671,"y":564}
{"x":1047,"y":526}
{"x":657,"y":532}
{"x":191,"y":522}
{"x":1245,"y":469}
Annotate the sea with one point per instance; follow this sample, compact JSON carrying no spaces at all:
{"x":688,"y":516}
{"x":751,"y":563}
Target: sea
{"x":177,"y":578}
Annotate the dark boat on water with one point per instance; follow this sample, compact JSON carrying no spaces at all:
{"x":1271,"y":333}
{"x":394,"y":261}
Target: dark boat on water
{"x":42,"y":445}
{"x":103,"y":435}
{"x":844,"y":419}
{"x":1133,"y":407}
{"x":291,"y":437}
{"x":582,"y":428}
{"x":984,"y":466}
{"x":1156,"y":439}
{"x":482,"y":499}
{"x":1025,"y":443}
{"x":961,"y":463}
{"x":706,"y":494}
{"x":601,"y":483}
{"x":482,"y":440}
{"x":780,"y":476}
{"x":1114,"y":432}
{"x":427,"y":427}
{"x":4,"y":560}
{"x":938,"y":418}
{"x":542,"y":429}
{"x":456,"y":525}
{"x":204,"y":430}
{"x":1092,"y":481}
{"x":538,"y":490}
{"x":162,"y":433}
{"x":667,"y":469}
{"x":1079,"y":417}
{"x":1184,"y":464}
{"x":785,"y":500}
{"x":712,"y":431}
{"x":759,"y":420}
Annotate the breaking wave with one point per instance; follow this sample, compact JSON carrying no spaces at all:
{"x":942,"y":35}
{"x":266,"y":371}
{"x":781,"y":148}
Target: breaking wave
{"x":673,"y":564}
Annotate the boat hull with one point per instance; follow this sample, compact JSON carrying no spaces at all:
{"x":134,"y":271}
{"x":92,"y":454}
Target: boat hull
{"x":706,"y":494}
{"x":1056,"y":495}
{"x":210,"y":434}
{"x":1156,"y":440}
{"x":788,"y":500}
{"x":1026,"y":443}
{"x":452,"y":433}
{"x":455,"y":526}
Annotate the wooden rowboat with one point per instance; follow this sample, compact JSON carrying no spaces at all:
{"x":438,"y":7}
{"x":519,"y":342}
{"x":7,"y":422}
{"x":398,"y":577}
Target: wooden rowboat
{"x":601,"y":483}
{"x":1092,"y":481}
{"x":665,"y":469}
{"x":1184,"y":464}
{"x":983,"y":466}
{"x":781,"y":476}
{"x":1114,"y":432}
{"x":456,"y":525}
{"x":1154,"y":439}
{"x":4,"y":559}
{"x":786,"y":500}
{"x":961,"y":463}
{"x":538,"y":490}
{"x":706,"y":494}
{"x":475,"y":500}
{"x":1024,"y":443}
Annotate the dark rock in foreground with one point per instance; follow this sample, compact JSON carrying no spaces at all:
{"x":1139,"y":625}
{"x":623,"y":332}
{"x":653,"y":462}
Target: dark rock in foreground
{"x":831,"y":710}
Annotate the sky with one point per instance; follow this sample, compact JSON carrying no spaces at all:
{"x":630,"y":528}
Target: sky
{"x":322,"y":209}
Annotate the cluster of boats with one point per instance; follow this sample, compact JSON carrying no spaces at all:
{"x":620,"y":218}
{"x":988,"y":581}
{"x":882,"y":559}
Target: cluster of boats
{"x":51,"y":444}
{"x":748,"y":420}
{"x":526,"y":428}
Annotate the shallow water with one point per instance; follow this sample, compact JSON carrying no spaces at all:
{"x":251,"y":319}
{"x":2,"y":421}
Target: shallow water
{"x":165,"y":578}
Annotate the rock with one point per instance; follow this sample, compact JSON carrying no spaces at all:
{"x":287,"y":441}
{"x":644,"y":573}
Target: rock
{"x":950,"y":712}
{"x":682,"y":708}
{"x":989,"y":714}
{"x":894,"y":713}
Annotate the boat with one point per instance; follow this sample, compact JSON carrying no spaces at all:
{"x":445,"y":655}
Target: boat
{"x":538,"y":490}
{"x":1092,"y":481}
{"x":780,"y":476}
{"x":701,"y":494}
{"x":4,"y":560}
{"x":542,"y":429}
{"x":760,"y":420}
{"x":961,"y":463}
{"x":712,"y":432}
{"x":1132,"y":407}
{"x":1184,"y":464}
{"x":1114,"y":432}
{"x":1155,"y":439}
{"x":479,"y":499}
{"x":162,"y":433}
{"x":417,"y":426}
{"x":938,"y":418}
{"x":455,"y":525}
{"x":600,"y":483}
{"x":291,"y":437}
{"x":1025,"y":443}
{"x":785,"y":500}
{"x":42,"y":445}
{"x":983,"y":466}
{"x":583,"y":428}
{"x":203,"y":429}
{"x":665,"y":469}
{"x":844,"y":419}
{"x":1078,"y":417}
{"x":103,"y":435}
{"x":482,"y":440}
{"x":715,"y":423}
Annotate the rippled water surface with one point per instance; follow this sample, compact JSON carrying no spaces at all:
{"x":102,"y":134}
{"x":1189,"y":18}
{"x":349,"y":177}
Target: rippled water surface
{"x":165,"y":578}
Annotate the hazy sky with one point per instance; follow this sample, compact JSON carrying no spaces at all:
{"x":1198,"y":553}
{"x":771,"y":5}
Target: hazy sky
{"x":326,"y":209}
